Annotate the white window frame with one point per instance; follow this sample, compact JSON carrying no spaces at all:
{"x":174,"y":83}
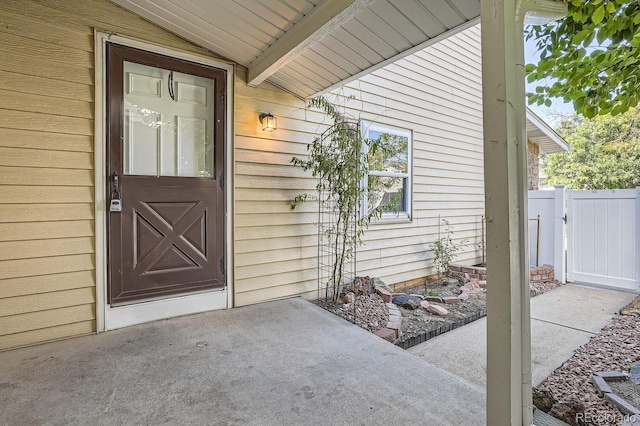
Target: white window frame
{"x":407,"y":213}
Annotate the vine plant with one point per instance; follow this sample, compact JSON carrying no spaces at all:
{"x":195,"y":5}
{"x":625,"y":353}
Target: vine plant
{"x":339,"y":165}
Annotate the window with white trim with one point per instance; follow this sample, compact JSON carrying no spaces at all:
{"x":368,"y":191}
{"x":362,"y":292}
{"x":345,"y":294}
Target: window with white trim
{"x":388,"y":182}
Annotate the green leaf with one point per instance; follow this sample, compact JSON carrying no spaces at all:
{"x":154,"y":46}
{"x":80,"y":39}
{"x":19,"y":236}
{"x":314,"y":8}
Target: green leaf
{"x":598,"y":15}
{"x":610,"y":7}
{"x":580,"y":37}
{"x":608,"y":69}
{"x":590,"y":111}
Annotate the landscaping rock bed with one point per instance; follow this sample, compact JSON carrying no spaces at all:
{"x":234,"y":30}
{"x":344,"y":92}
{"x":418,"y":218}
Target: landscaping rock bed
{"x":570,"y":394}
{"x":446,"y":305}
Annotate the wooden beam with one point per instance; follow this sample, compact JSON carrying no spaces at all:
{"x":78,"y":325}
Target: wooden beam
{"x":316,"y":25}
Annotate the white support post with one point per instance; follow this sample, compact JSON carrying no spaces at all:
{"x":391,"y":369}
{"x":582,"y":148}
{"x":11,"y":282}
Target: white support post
{"x":560,"y":233}
{"x":509,"y":400}
{"x":505,"y":171}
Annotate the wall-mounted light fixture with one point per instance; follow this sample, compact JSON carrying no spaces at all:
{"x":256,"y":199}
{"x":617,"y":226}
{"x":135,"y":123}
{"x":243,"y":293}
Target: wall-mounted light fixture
{"x":268,"y":121}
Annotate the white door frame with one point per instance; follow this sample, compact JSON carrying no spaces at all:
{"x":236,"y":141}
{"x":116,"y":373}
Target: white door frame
{"x":108,"y":318}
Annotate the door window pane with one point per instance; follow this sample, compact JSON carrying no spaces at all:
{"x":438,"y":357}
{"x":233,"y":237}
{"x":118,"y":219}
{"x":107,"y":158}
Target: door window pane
{"x":168,"y":122}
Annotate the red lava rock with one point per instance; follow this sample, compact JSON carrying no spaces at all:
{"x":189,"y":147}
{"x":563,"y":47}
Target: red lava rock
{"x":386,"y":333}
{"x":613,"y":349}
{"x":466,"y":288}
{"x":362,"y":286}
{"x":394,"y":325}
{"x":349,"y":298}
{"x":437,"y":310}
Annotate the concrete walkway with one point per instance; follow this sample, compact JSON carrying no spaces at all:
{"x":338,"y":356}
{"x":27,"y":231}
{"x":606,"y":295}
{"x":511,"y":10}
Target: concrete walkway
{"x":279,"y":363}
{"x":562,"y":320}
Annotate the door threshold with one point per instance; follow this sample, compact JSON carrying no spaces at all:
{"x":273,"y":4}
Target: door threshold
{"x":140,"y":313}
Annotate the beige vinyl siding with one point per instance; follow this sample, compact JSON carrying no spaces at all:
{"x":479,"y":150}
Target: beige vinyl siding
{"x":275,"y":246}
{"x":47,"y":230}
{"x":437,"y":94}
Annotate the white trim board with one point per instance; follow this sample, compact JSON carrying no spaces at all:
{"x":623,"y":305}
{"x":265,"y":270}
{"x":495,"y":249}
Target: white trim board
{"x":124,"y":316}
{"x":108,"y":318}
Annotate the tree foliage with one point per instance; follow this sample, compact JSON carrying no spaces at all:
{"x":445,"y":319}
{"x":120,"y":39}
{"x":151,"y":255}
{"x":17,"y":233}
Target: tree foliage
{"x":592,"y":56}
{"x":605,"y":153}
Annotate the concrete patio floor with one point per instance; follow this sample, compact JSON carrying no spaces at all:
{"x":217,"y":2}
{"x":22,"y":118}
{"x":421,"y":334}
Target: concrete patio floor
{"x":286,"y":362}
{"x":562,"y":320}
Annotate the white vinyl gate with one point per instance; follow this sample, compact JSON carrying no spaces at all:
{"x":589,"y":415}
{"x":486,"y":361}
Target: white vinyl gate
{"x":602,"y":237}
{"x":599,"y":231}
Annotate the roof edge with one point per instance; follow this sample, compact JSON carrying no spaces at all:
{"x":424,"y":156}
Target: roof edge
{"x":547,"y":130}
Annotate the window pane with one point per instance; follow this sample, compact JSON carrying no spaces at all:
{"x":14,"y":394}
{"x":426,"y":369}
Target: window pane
{"x":392,"y":154}
{"x":167,"y":132}
{"x":387,"y":193}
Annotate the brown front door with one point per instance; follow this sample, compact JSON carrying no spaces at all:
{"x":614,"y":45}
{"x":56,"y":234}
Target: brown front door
{"x":165,"y":168}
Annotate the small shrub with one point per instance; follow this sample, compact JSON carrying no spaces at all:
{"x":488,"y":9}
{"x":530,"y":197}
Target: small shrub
{"x":445,"y":250}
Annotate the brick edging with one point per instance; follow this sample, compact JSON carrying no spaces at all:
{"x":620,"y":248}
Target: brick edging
{"x":599,"y":380}
{"x":536,"y":273}
{"x":429,"y":334}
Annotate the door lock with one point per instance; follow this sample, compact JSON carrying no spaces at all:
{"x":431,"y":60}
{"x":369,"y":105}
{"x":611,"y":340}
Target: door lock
{"x":116,"y":200}
{"x":115,"y":206}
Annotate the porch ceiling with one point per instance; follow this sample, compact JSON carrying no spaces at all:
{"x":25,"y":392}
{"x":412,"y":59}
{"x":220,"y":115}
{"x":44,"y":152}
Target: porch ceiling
{"x":309,"y":46}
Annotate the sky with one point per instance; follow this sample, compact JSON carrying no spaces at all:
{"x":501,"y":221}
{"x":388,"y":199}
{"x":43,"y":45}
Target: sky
{"x":552,"y":115}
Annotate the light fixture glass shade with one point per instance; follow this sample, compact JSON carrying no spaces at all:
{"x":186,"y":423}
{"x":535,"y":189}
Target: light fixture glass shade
{"x":269,"y":122}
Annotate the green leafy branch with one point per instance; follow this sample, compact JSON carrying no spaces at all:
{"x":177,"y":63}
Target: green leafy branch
{"x":339,"y":165}
{"x":445,"y":250}
{"x":592,"y":57}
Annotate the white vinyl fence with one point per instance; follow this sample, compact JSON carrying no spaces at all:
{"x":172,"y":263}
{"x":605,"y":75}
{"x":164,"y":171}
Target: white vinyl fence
{"x":547,"y":243}
{"x":602,"y":237}
{"x":598,"y":231}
